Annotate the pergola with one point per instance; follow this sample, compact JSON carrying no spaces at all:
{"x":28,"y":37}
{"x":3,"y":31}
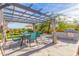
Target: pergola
{"x":14,"y":12}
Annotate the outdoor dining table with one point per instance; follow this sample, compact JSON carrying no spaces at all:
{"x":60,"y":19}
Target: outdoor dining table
{"x":29,"y":36}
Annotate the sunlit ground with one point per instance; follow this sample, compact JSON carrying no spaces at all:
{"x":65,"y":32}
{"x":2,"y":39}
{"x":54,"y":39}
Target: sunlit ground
{"x":65,"y":47}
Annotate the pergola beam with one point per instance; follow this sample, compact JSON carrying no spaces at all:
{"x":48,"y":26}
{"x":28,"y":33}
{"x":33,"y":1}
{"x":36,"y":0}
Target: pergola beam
{"x":23,"y":16}
{"x":27,"y":18}
{"x":29,"y":9}
{"x":25,"y":13}
{"x":22,"y":12}
{"x":18,"y":21}
{"x":23,"y":21}
{"x":5,"y":5}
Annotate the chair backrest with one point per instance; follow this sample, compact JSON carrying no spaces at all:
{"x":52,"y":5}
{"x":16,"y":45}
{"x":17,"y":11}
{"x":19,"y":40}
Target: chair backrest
{"x":38,"y":34}
{"x":33,"y":36}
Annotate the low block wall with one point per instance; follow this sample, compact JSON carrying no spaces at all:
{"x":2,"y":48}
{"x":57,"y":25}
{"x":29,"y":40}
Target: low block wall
{"x":74,"y":36}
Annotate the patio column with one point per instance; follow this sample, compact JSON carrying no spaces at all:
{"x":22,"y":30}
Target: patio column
{"x":2,"y":23}
{"x":33,"y":26}
{"x":54,"y":31}
{"x":6,"y":28}
{"x":77,"y":49}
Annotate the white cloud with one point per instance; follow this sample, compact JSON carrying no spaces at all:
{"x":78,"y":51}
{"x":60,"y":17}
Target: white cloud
{"x":72,"y":10}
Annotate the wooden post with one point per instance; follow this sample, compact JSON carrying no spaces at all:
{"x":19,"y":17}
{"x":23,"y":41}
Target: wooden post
{"x":3,"y":32}
{"x":54,"y":31}
{"x":77,"y":49}
{"x":33,"y":26}
{"x":6,"y":28}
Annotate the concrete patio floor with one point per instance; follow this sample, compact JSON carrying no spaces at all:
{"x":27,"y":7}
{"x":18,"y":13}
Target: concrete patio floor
{"x":64,"y":47}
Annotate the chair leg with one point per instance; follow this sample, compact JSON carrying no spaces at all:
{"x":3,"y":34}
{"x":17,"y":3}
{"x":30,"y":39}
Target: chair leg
{"x":41,"y":39}
{"x":37,"y":42}
{"x":29,"y":42}
{"x":21,"y":42}
{"x":24,"y":41}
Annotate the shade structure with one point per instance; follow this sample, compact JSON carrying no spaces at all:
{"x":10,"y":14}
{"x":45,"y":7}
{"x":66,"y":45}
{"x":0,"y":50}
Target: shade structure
{"x":15,"y":12}
{"x":31,"y":12}
{"x":19,"y":13}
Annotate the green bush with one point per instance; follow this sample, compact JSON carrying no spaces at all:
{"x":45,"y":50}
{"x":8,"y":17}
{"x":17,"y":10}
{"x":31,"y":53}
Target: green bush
{"x":43,"y":27}
{"x":29,"y":30}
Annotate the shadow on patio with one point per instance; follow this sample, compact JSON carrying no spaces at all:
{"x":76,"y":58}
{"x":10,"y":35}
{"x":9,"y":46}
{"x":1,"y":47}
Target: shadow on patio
{"x":35,"y":50}
{"x":30,"y":52}
{"x":66,"y":40}
{"x":27,"y":53}
{"x":13,"y":48}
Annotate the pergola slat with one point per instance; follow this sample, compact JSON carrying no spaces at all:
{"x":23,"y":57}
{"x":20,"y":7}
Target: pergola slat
{"x":3,"y":6}
{"x":29,"y":9}
{"x":17,"y":21}
{"x":22,"y":16}
{"x":27,"y":18}
{"x":25,"y":13}
{"x":23,"y":21}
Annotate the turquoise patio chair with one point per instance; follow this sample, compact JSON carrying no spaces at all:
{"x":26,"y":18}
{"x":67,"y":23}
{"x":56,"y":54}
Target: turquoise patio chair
{"x":32,"y":38}
{"x":26,"y":35}
{"x":38,"y":34}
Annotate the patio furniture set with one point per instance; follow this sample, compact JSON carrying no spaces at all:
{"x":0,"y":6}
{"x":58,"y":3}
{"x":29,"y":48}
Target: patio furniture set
{"x":27,"y":36}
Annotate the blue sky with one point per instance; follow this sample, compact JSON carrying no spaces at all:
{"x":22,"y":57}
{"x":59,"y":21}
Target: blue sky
{"x":51,"y":7}
{"x":16,"y":25}
{"x":47,"y":7}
